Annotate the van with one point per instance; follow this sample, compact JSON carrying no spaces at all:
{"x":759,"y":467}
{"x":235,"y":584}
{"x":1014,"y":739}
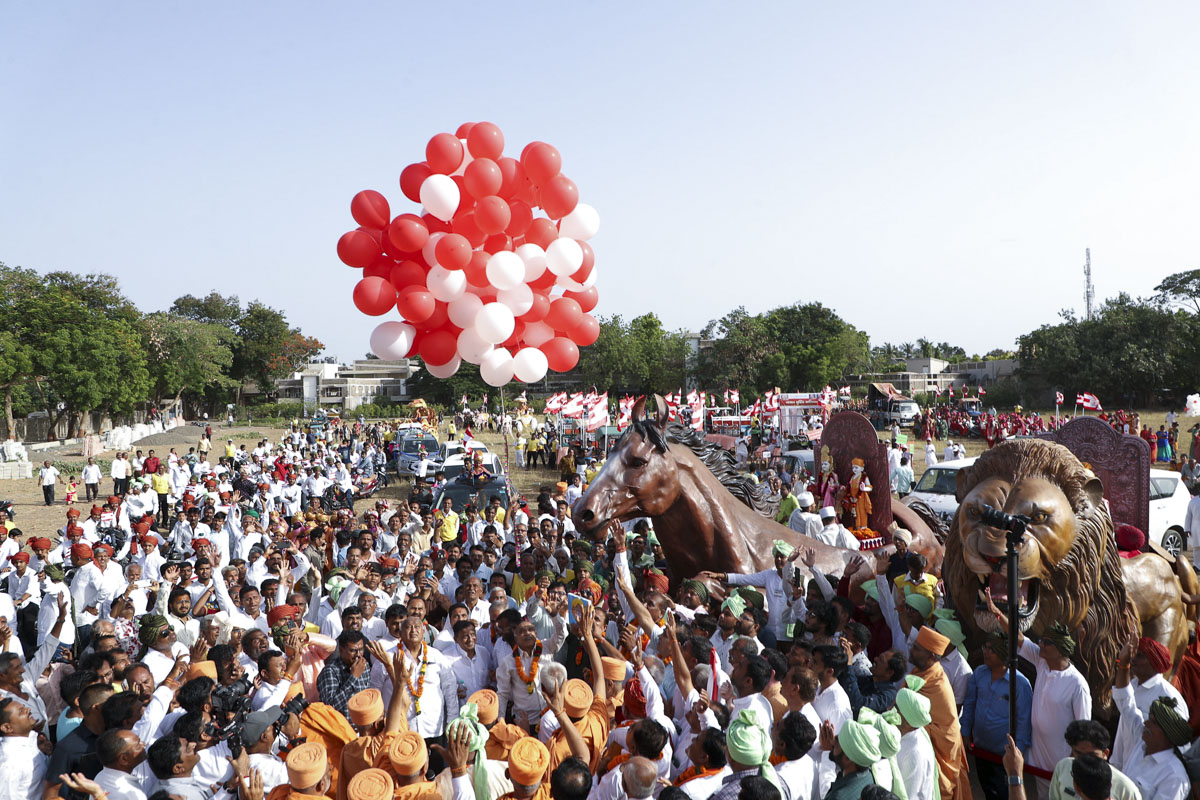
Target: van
{"x":903,"y":412}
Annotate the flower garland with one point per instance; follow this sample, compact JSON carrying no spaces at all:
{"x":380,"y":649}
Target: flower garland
{"x":533,"y":666}
{"x":419,"y":689}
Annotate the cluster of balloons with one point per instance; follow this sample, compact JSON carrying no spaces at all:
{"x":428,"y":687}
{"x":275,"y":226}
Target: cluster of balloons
{"x":479,"y":276}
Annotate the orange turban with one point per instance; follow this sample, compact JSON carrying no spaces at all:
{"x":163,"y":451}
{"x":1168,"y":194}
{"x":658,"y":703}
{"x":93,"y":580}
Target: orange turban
{"x":279,"y":612}
{"x":614,"y":668}
{"x":307,"y":765}
{"x":408,"y":755}
{"x":527,"y":761}
{"x":365,"y":707}
{"x":501,"y":738}
{"x":1155,"y":653}
{"x":205,"y":669}
{"x":370,"y":784}
{"x":72,"y":513}
{"x":488,"y":705}
{"x":577,"y":697}
{"x":932,"y":641}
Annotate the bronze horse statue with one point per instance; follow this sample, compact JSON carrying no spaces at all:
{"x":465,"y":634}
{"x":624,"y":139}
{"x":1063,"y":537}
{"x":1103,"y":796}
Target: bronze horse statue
{"x":706,"y":515}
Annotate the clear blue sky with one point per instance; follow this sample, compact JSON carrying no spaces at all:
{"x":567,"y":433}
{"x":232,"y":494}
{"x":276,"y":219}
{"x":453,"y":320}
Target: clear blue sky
{"x":926,"y":169}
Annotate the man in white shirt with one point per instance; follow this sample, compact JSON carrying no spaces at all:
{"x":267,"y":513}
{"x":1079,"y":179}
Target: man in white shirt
{"x":832,"y":533}
{"x":119,"y":471}
{"x":916,"y":759}
{"x":831,"y":703}
{"x":1191,"y":523}
{"x":120,"y":751}
{"x":47,"y":477}
{"x":24,"y":762}
{"x":91,"y":479}
{"x":803,"y":520}
{"x":1152,"y":763}
{"x":1147,"y":660}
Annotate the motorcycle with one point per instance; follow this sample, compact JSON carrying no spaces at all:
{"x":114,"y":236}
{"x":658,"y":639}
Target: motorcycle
{"x":8,"y":507}
{"x":365,"y":487}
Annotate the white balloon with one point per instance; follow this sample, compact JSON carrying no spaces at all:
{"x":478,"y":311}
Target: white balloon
{"x":590,"y":280}
{"x":537,"y":334}
{"x":439,"y":195}
{"x":463,"y":309}
{"x":535,"y":261}
{"x":519,"y":300}
{"x":530,"y":365}
{"x":494,"y":323}
{"x":429,"y":249}
{"x":582,"y":223}
{"x":564,"y":256}
{"x":505,"y":270}
{"x":467,"y":159}
{"x":496,"y":368}
{"x":445,"y":370}
{"x":471,"y":348}
{"x":446,"y":284}
{"x":392,"y":340}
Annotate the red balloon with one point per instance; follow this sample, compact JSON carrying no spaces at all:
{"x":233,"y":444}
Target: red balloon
{"x":497,"y":242}
{"x":408,"y":233}
{"x":561,"y":353}
{"x":444,"y":153}
{"x":559,"y":196}
{"x":464,"y":129}
{"x":415,"y":303}
{"x":465,"y":201}
{"x":537,"y":312}
{"x":518,"y":332}
{"x":358,"y":249}
{"x":379,"y":268}
{"x":436,"y":225}
{"x":370,"y":209}
{"x":467,"y":224}
{"x":374,"y":296}
{"x":527,"y":148}
{"x":520,"y":218}
{"x":453,"y":251}
{"x":492,"y":214}
{"x":483,"y":177}
{"x":544,"y":281}
{"x":438,"y":347}
{"x":587,"y":299}
{"x":541,"y":232}
{"x":541,"y":162}
{"x":476,"y":269}
{"x":564,"y":314}
{"x":411,"y":179}
{"x":514,"y":176}
{"x":586,"y":332}
{"x":589,"y":261}
{"x":407,"y":273}
{"x":485,"y":140}
{"x":438,"y":319}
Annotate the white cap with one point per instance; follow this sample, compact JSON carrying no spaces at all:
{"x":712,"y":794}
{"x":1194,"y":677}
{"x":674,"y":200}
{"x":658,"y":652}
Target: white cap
{"x":828,"y":512}
{"x":805,"y":499}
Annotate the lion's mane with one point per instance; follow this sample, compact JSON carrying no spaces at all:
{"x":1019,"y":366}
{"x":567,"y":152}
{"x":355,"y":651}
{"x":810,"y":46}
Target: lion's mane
{"x":1086,"y":589}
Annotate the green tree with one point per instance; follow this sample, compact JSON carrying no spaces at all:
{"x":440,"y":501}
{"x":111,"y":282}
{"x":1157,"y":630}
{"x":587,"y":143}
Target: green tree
{"x":1181,"y":288}
{"x":267,"y":348}
{"x":213,"y":307}
{"x":186,"y":356}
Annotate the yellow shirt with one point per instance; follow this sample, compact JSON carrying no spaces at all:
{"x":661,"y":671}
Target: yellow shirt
{"x":448,"y":530}
{"x":161,"y":484}
{"x":520,"y":587}
{"x":230,"y":451}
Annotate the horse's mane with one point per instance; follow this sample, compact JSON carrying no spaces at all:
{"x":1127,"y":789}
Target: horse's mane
{"x":1087,"y":583}
{"x":718,"y":460}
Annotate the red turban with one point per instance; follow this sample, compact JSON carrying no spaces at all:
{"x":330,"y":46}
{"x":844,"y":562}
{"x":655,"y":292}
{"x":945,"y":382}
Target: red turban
{"x":105,"y":547}
{"x":41,"y":543}
{"x":23,"y":557}
{"x":74,"y":529}
{"x":635,"y":698}
{"x":657,"y":581}
{"x":1130,"y":541}
{"x":201,"y":540}
{"x":81,"y":550}
{"x":1155,"y":653}
{"x":149,"y":539}
{"x":113,"y":500}
{"x":73,"y":513}
{"x":98,"y":509}
{"x":280,"y":612}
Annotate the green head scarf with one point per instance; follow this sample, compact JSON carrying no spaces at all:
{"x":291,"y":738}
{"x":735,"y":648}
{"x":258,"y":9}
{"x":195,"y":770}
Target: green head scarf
{"x":150,"y":628}
{"x":860,"y":743}
{"x":914,"y":683}
{"x":55,"y":572}
{"x":870,"y":589}
{"x":921,"y":603}
{"x":335,"y":583}
{"x":944,"y":613}
{"x":753,"y":597}
{"x":468,"y":715}
{"x":1060,"y":637}
{"x":952,"y":631}
{"x":749,"y":743}
{"x":913,"y":707}
{"x":886,"y":772}
{"x":697,"y":587}
{"x":782,"y":548}
{"x":735,"y":605}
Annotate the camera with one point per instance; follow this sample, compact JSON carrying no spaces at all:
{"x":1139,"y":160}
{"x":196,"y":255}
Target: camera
{"x":232,"y":700}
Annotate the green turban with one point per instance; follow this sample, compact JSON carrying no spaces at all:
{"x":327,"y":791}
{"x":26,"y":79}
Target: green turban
{"x":860,"y":743}
{"x":921,"y":603}
{"x":150,"y":628}
{"x":914,"y":683}
{"x":55,"y":572}
{"x":734,"y":604}
{"x":749,"y":743}
{"x":335,"y":583}
{"x":886,"y":772}
{"x":952,"y":631}
{"x":999,"y":644}
{"x":468,"y":715}
{"x":699,"y":588}
{"x":782,"y":548}
{"x":753,"y":597}
{"x":944,"y":613}
{"x":250,"y":512}
{"x":871,"y":589}
{"x":1060,"y":637}
{"x":1163,"y":712}
{"x":583,"y":564}
{"x":652,"y":538}
{"x":913,"y":707}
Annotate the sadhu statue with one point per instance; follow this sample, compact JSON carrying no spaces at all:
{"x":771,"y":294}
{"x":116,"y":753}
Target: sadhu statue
{"x":707,"y":515}
{"x":1069,"y":568}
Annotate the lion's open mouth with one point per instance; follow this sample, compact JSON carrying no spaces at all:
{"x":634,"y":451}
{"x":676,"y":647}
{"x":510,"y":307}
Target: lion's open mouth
{"x":1028,"y":590}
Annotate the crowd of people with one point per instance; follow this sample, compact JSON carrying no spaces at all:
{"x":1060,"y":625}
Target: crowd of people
{"x":237,"y":636}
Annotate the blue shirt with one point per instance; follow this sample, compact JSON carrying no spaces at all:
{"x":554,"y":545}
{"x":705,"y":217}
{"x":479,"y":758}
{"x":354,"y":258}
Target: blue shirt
{"x":985,"y":711}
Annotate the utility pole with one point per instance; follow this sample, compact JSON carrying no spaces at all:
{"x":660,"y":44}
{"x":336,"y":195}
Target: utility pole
{"x":1089,"y":291}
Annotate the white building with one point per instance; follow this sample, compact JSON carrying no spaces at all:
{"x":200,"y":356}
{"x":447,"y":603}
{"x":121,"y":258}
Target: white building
{"x":348,"y":386}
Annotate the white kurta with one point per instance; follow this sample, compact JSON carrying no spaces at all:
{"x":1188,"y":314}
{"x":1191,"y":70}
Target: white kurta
{"x":1129,"y":729}
{"x":24,"y":768}
{"x":777,"y":589}
{"x":1059,"y":698}
{"x":918,"y":765}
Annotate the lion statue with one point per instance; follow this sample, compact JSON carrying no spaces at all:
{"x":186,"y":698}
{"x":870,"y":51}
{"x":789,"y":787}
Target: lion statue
{"x":1069,"y":569}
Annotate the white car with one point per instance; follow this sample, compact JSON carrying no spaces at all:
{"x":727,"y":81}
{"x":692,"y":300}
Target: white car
{"x":455,"y":465}
{"x":456,"y":447}
{"x":1168,"y":500}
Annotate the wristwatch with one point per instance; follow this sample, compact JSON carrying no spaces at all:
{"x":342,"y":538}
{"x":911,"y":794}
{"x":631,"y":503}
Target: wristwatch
{"x":1014,"y":780}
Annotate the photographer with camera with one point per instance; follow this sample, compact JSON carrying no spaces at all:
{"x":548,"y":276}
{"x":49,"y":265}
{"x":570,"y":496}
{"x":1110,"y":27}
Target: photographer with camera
{"x":261,"y":733}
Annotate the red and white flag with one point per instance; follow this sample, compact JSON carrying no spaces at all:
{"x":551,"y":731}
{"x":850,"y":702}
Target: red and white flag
{"x":598,"y":413}
{"x":625,"y":411}
{"x":1088,"y":401}
{"x":845,"y":390}
{"x":771,"y":401}
{"x":1058,"y":398}
{"x":754,"y":409}
{"x":981,"y":391}
{"x":733,"y":396}
{"x":573,"y":407}
{"x":693,"y":397}
{"x":937,"y":391}
{"x":464,"y":400}
{"x":697,"y":418}
{"x":950,"y":392}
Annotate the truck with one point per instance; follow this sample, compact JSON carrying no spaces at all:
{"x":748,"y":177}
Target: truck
{"x":888,"y":405}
